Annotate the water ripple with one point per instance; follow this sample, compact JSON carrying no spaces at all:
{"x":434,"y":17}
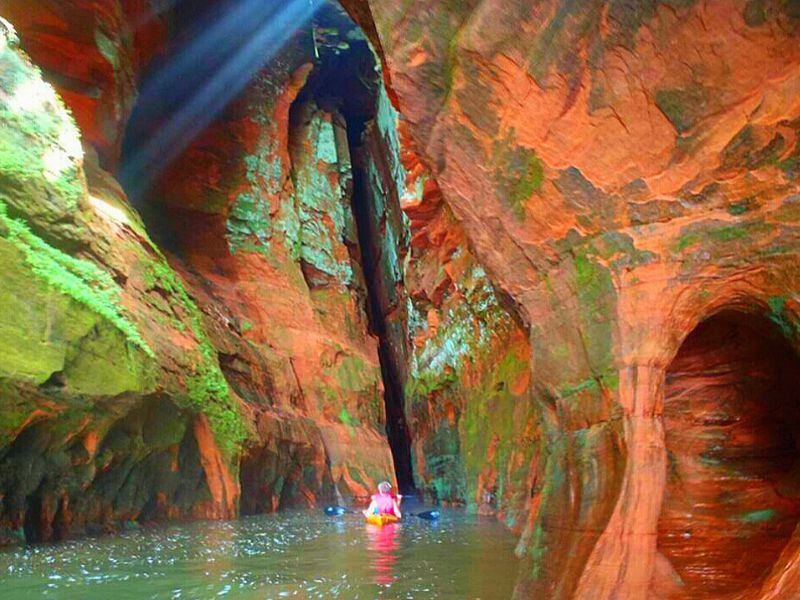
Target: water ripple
{"x":290,"y":555}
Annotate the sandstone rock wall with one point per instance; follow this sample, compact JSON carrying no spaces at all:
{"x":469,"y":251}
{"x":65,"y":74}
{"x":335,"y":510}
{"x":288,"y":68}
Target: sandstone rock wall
{"x":595,"y":191}
{"x":228,"y":365}
{"x":104,"y":420}
{"x":473,"y":422}
{"x":623,"y":171}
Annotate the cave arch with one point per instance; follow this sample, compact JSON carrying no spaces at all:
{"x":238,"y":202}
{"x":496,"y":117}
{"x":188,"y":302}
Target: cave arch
{"x":732,"y":436}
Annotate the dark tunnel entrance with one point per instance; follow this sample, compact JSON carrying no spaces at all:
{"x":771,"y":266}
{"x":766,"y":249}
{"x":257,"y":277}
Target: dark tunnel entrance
{"x":732,"y":426}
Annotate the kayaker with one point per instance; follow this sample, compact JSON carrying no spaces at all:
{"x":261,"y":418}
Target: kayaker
{"x":384,"y":503}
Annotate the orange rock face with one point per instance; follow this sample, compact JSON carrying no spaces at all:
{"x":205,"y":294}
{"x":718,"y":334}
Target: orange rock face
{"x":585,"y":320}
{"x":233,"y":369}
{"x":624,"y":172}
{"x":92,"y":52}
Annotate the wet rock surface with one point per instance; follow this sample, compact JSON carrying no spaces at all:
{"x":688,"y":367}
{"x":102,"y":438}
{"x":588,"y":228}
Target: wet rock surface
{"x":518,"y":264}
{"x":246,"y":317}
{"x":730,"y":423}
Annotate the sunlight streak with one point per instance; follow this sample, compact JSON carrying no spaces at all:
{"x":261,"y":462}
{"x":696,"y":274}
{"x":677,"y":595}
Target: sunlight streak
{"x":211,"y":71}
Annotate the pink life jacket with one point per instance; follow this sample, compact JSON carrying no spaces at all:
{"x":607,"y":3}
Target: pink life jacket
{"x":384,"y":503}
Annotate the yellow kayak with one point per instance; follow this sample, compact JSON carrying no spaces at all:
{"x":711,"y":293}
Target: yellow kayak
{"x":381,"y":520}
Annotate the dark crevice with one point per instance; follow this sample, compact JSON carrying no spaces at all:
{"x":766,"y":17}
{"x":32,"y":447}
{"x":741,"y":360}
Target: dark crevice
{"x":392,"y":370}
{"x":33,"y":520}
{"x":56,"y":381}
{"x":348,"y":82}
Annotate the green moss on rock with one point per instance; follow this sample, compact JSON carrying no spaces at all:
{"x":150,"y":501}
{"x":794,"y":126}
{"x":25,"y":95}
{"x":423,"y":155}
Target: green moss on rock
{"x":207,"y":388}
{"x":518,"y":173}
{"x":682,"y":106}
{"x":779,"y":314}
{"x":40,"y":146}
{"x":79,"y":279}
{"x":716,"y":238}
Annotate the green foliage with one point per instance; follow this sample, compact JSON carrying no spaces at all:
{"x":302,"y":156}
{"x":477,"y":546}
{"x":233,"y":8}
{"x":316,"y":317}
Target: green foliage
{"x":23,"y":139}
{"x":209,"y":393}
{"x":81,"y":280}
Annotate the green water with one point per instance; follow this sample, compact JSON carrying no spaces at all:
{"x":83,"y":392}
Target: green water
{"x":297,"y":555}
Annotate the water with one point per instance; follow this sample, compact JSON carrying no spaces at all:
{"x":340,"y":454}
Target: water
{"x":294,"y":555}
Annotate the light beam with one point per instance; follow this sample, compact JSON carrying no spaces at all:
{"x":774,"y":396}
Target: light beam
{"x":215,"y":66}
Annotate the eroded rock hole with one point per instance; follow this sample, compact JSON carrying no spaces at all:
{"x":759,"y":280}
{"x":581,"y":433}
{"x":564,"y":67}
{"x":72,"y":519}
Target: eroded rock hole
{"x":732,"y":424}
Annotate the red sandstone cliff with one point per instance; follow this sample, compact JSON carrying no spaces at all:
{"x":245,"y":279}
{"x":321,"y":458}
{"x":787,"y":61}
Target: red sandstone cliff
{"x":591,"y":313}
{"x":624,"y":171}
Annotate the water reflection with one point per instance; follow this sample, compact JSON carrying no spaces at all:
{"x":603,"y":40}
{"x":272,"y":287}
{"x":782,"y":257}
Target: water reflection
{"x":382,"y":546}
{"x":217,"y":565}
{"x":296,"y":555}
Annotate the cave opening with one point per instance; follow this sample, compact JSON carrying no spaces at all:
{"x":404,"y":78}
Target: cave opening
{"x":732,"y":432}
{"x":346,"y":81}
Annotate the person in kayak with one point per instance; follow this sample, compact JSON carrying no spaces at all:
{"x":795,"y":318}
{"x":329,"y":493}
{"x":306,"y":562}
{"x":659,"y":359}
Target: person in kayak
{"x":384,"y":503}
